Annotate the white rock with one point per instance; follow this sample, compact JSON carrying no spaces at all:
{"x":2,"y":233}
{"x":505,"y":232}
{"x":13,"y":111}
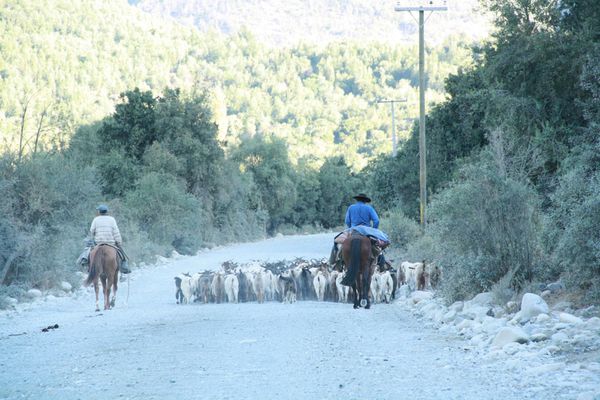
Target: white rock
{"x":482,"y":299}
{"x":66,"y":286}
{"x":449,"y":316}
{"x":542,"y":318}
{"x":583,"y":338}
{"x":532,"y":305}
{"x":477,"y":327}
{"x":569,"y":318}
{"x":498,"y":312}
{"x":457,"y":306}
{"x":493,"y":325}
{"x":479,"y":340}
{"x":516,"y":319}
{"x":437,"y":315}
{"x":593,"y":323}
{"x":34,"y":293}
{"x":511,"y":348}
{"x":560,"y":337}
{"x":539,"y":337}
{"x":509,"y":334}
{"x":475,"y":312}
{"x":465,"y":324}
{"x":11,"y":300}
{"x":427,"y":307}
{"x":418,"y":296}
{"x":550,"y":349}
{"x":561,"y":325}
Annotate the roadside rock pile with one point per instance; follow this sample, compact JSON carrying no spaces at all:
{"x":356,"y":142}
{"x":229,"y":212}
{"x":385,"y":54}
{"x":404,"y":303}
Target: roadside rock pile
{"x":553,"y":346}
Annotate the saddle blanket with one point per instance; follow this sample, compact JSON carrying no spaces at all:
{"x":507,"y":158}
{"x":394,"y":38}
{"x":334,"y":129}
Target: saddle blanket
{"x":373,"y":233}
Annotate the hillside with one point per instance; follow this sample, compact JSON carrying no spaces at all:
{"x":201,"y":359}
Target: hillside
{"x":320,"y":22}
{"x":63,"y":65}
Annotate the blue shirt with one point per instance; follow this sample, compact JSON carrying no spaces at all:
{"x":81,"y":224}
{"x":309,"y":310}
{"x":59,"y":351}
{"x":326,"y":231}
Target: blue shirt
{"x":361,"y":214}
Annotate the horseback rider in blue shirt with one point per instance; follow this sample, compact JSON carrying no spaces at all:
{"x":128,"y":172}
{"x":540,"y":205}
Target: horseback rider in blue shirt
{"x":360,"y":213}
{"x":357,"y":214}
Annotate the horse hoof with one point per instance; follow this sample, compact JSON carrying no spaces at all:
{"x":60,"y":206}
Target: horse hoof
{"x":97,"y":310}
{"x":112,"y":303}
{"x":355,"y":307}
{"x":363,"y":303}
{"x":367,"y":306}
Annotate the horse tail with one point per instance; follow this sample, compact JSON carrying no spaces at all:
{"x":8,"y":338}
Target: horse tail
{"x":91,"y":275}
{"x":94,"y":262}
{"x":355,"y":255}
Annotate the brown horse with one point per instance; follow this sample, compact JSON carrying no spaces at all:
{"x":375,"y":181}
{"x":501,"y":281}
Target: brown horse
{"x":104,"y":267}
{"x":357,"y":254}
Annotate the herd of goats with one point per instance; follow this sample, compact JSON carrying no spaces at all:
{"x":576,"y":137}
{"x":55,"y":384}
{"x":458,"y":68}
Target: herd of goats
{"x":297,"y":280}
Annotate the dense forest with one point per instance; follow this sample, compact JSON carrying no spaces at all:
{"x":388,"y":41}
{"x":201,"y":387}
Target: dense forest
{"x":64,"y":65}
{"x":196,"y":139}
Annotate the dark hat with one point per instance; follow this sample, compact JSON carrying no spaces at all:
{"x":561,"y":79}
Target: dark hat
{"x":362,"y":197}
{"x":102,"y":208}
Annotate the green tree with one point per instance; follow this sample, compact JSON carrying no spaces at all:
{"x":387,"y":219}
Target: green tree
{"x":266,"y":159}
{"x":338,"y":184}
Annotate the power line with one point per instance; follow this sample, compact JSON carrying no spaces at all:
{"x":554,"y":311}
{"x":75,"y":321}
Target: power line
{"x":431,"y":6}
{"x":394,"y":141}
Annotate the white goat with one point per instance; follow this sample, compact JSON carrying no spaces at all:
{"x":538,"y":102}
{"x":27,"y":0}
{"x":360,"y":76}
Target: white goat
{"x":232,"y":288}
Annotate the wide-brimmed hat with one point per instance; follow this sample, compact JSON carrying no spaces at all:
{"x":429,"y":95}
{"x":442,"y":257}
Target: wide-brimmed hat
{"x":362,"y":197}
{"x":102,"y":208}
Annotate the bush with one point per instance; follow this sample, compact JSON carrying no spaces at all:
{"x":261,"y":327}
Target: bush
{"x":578,"y":249}
{"x":572,"y":229}
{"x":170,"y":216}
{"x":484,"y":226}
{"x":401,"y":230}
{"x":49,"y":197}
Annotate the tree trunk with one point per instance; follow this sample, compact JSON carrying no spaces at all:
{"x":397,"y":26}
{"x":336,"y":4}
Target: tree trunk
{"x":7,"y":265}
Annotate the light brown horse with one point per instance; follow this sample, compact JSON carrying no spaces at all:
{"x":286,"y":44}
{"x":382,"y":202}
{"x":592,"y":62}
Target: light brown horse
{"x":357,"y":254}
{"x":104,"y":267}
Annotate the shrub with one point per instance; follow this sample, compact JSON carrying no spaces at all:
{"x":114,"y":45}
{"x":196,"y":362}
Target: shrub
{"x":170,"y":216}
{"x":484,"y":226}
{"x":401,"y":230}
{"x":578,"y":249}
{"x":49,"y":197}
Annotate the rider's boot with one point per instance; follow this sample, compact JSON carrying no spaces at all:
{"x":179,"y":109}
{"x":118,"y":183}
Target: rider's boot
{"x":124,"y":267}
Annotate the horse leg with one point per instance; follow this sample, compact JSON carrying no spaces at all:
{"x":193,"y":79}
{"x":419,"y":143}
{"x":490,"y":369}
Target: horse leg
{"x":106,"y":287}
{"x":113,"y":299}
{"x":356,"y":296}
{"x":96,"y":289}
{"x":364,"y":292}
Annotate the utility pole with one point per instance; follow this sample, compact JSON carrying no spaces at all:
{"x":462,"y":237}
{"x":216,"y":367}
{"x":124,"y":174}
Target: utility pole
{"x":431,"y":6}
{"x":394,"y":141}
